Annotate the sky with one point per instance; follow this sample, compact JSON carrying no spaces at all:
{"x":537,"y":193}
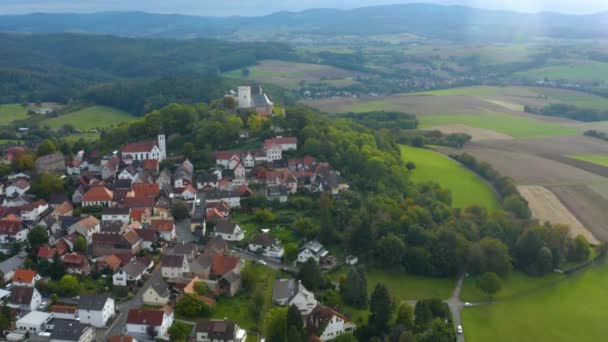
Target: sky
{"x":261,"y":7}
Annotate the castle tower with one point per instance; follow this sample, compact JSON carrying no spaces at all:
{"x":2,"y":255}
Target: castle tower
{"x":245,"y":97}
{"x":162,"y":144}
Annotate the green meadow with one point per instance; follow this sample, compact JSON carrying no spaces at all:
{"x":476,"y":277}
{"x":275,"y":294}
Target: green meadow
{"x":466,"y":187}
{"x":592,"y":158}
{"x":91,"y":118}
{"x":12,"y":112}
{"x":575,"y":71}
{"x":408,"y":287}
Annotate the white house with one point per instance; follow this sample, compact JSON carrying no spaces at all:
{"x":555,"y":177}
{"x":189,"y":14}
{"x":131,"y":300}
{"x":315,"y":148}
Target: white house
{"x":18,"y":188}
{"x":98,"y":196}
{"x":139,"y":321}
{"x":273,"y":152}
{"x":116,"y":214}
{"x":86,"y":227}
{"x":229,"y":231}
{"x":157,"y":294}
{"x":268,"y":245}
{"x":284,"y":143}
{"x":328,"y":324}
{"x":314,"y":250}
{"x":25,"y":298}
{"x":129,"y":273}
{"x":153,"y":150}
{"x":96,"y":310}
{"x":219,"y":331}
{"x":174,"y":266}
{"x":289,"y":292}
{"x":32,"y":211}
{"x":34,"y":322}
{"x":12,"y":231}
{"x":23,"y":277}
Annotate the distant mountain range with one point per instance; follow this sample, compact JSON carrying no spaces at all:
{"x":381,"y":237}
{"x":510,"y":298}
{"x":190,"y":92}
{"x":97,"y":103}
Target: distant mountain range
{"x":434,"y":21}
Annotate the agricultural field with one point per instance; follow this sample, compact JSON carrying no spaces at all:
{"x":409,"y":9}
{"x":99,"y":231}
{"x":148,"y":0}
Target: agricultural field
{"x":90,"y":118}
{"x":466,"y":187}
{"x":12,"y":112}
{"x":289,"y":74}
{"x":571,"y":70}
{"x":488,"y":54}
{"x":592,"y":158}
{"x":570,"y":310}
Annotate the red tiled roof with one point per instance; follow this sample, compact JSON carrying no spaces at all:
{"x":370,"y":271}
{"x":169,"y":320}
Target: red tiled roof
{"x":24,"y":276}
{"x":145,"y":189}
{"x":89,"y":222}
{"x":46,"y":252}
{"x":162,"y":225}
{"x":62,"y":247}
{"x":140,"y":146}
{"x":214,"y":213}
{"x":74,"y":259}
{"x":111,"y":261}
{"x":22,"y":184}
{"x":150,"y":164}
{"x":63,"y":309}
{"x":145,"y":317}
{"x":223,"y":264}
{"x":64,"y":208}
{"x":10,"y":227}
{"x":139,"y":202}
{"x":146,"y":234}
{"x":98,"y":194}
{"x":35,"y":205}
{"x":279,"y":141}
{"x":121,"y":339}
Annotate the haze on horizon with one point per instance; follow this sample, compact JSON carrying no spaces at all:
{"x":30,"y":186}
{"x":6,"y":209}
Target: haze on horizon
{"x":262,"y":7}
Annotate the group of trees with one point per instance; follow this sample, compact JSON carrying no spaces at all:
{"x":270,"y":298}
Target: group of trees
{"x":570,"y":112}
{"x":382,"y":119}
{"x":596,"y":134}
{"x":284,"y":325}
{"x":419,"y":138}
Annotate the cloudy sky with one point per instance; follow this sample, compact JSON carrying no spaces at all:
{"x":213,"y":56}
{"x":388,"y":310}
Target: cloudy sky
{"x":260,"y":7}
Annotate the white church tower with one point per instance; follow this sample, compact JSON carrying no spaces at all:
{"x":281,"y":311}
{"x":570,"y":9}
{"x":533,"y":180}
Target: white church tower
{"x":162,"y":144}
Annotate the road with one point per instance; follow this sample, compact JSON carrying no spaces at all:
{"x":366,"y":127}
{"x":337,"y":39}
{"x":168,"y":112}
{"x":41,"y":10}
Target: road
{"x":120,"y":323}
{"x":183,"y":231}
{"x":456,"y":305}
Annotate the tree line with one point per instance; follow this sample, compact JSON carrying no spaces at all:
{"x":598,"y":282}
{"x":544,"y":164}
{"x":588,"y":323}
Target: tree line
{"x":569,"y":111}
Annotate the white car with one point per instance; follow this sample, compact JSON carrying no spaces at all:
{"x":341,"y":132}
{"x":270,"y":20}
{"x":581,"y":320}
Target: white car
{"x":467,"y":304}
{"x":459,"y":329}
{"x":262,"y":262}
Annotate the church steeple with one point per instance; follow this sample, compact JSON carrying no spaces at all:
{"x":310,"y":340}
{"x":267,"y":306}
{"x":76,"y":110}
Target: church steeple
{"x":161,"y":143}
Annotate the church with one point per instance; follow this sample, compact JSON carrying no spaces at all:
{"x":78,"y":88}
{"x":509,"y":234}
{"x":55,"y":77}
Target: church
{"x":145,"y":150}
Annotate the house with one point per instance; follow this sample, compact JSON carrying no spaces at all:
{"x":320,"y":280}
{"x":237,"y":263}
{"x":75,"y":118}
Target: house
{"x":98,"y":196}
{"x":33,"y":211}
{"x":219,"y":331}
{"x":52,"y":163}
{"x":149,"y":238}
{"x":115,"y":214}
{"x":328,"y":324}
{"x":314,"y":250}
{"x":164,"y":228}
{"x":352,"y":260}
{"x":233,"y":197}
{"x":174,"y":266}
{"x":86,"y":227}
{"x":277,"y":193}
{"x":76,"y":264}
{"x":157,"y":294}
{"x":12,"y":230}
{"x":129,"y":274}
{"x":64,"y":312}
{"x":207,"y":181}
{"x":224,"y":276}
{"x":10,"y":265}
{"x":46,"y":252}
{"x":111,"y":262}
{"x":78,"y":194}
{"x":145,"y":150}
{"x":116,"y":243}
{"x":25,"y":298}
{"x":228,"y":231}
{"x":71,"y":331}
{"x":33,"y":323}
{"x":187,"y":193}
{"x":267,"y":245}
{"x":17,"y":188}
{"x":122,"y":339}
{"x":182,"y":176}
{"x":187,"y":249}
{"x":95,"y":310}
{"x":64,"y":209}
{"x":24,"y":277}
{"x":284,"y":143}
{"x":222,"y":207}
{"x":253,"y":99}
{"x":335,"y":184}
{"x":287,"y":292}
{"x":140,"y":321}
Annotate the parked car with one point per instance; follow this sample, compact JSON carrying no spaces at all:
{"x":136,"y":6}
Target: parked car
{"x":467,"y":304}
{"x":459,"y":329}
{"x":262,"y":262}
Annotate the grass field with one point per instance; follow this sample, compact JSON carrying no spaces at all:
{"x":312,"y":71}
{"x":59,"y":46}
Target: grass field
{"x":516,"y":284}
{"x":515,"y":126}
{"x":571,"y":310}
{"x":406,"y":287}
{"x":466,"y":187}
{"x":90,"y":118}
{"x":592,"y":158}
{"x":12,"y":112}
{"x":573,"y":71}
{"x":289,"y":74}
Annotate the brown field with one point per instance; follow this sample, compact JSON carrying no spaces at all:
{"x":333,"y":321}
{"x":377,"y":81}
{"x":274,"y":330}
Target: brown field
{"x":546,"y":207}
{"x":477,"y":134}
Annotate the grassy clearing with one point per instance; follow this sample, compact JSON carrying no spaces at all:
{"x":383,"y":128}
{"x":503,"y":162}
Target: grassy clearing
{"x":515,"y":126}
{"x":12,"y":112}
{"x":515,"y":285}
{"x":572,"y":310}
{"x":91,"y":118}
{"x":592,"y":158}
{"x":406,"y":287}
{"x":574,"y":71}
{"x":466,"y":187}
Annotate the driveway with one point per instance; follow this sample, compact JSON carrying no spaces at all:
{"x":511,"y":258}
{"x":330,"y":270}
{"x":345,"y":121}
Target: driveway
{"x":271,"y":263}
{"x":456,"y":305}
{"x":119,"y":325}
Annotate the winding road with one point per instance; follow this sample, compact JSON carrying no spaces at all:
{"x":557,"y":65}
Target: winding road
{"x":456,"y":305}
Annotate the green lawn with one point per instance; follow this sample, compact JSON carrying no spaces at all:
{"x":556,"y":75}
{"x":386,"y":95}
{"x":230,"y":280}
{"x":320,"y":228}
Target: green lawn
{"x":12,"y":112}
{"x":515,"y":285}
{"x":592,"y":158}
{"x":407,"y":287}
{"x":572,"y":310}
{"x":466,"y":187}
{"x":573,"y":71}
{"x":91,"y":118}
{"x":515,"y":126}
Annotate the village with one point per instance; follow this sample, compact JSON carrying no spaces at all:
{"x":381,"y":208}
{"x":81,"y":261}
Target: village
{"x":144,"y":239}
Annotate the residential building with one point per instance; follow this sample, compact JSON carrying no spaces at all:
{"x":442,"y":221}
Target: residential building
{"x":174,"y":266}
{"x":71,"y":331}
{"x":33,"y":323}
{"x":98,"y":196}
{"x":219,"y":331}
{"x":284,"y":143}
{"x":25,"y":298}
{"x":228,"y":231}
{"x":116,"y":214}
{"x":96,"y":310}
{"x":139,"y":321}
{"x":164,"y":228}
{"x":149,"y":237}
{"x":33,"y":211}
{"x":52,"y":163}
{"x":267,"y":244}
{"x":64,"y":312}
{"x":287,"y":292}
{"x":76,"y":264}
{"x":157,"y":294}
{"x":10,"y":265}
{"x":116,"y":243}
{"x":86,"y":227}
{"x":328,"y":324}
{"x":314,"y":250}
{"x":24,"y":277}
{"x":129,"y":274}
{"x":17,"y":188}
{"x":12,"y":230}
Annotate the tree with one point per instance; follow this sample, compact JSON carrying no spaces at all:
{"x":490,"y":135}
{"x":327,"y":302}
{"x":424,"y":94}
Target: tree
{"x":489,"y":283}
{"x":438,"y":331}
{"x":275,"y":325}
{"x":69,"y":286}
{"x":311,"y":276}
{"x":410,"y":166}
{"x":57,"y":268}
{"x":305,"y":227}
{"x":38,"y":236}
{"x":578,"y":249}
{"x":255,"y":123}
{"x":354,"y":288}
{"x":25,"y":162}
{"x":46,"y":147}
{"x":191,"y":306}
{"x":407,"y":337}
{"x":405,"y":316}
{"x":180,"y":332}
{"x":5,"y":317}
{"x":390,"y":250}
{"x":264,"y":215}
{"x":544,"y":261}
{"x":80,"y":245}
{"x":188,"y":150}
{"x":517,"y":206}
{"x":418,"y":141}
{"x":295,"y":325}
{"x":180,"y":210}
{"x":423,"y":315}
{"x":47,"y":184}
{"x":201,"y":288}
{"x":151,"y":331}
{"x":381,"y":309}
{"x":229,"y":102}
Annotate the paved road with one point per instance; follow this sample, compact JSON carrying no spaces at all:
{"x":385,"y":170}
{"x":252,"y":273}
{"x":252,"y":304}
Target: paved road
{"x":183,"y":232}
{"x":272,"y":263}
{"x":456,"y":305}
{"x":120,"y":324}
